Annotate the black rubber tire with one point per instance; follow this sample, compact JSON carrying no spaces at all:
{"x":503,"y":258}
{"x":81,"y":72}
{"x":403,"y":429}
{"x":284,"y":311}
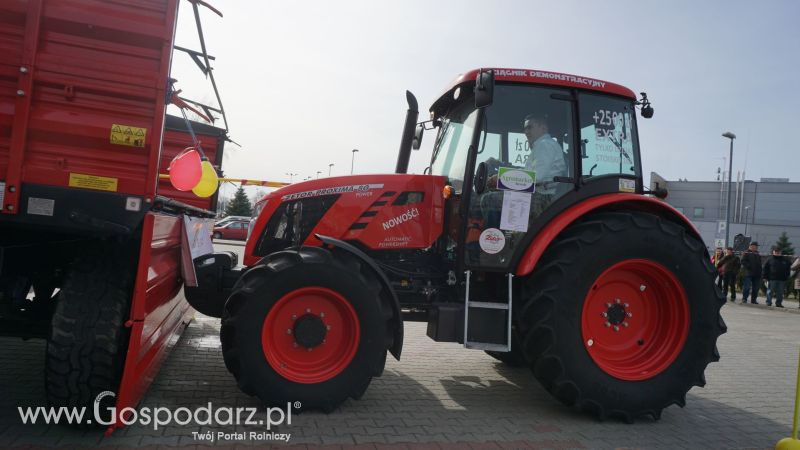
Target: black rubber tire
{"x":88,"y":340}
{"x":278,"y":274}
{"x":550,"y":313}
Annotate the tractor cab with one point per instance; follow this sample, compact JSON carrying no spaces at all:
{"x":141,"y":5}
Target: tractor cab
{"x":538,"y":143}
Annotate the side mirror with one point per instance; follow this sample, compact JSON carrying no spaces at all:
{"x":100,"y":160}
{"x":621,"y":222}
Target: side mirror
{"x":416,"y":142}
{"x":480,"y":177}
{"x":484,"y":88}
{"x":647,"y":108}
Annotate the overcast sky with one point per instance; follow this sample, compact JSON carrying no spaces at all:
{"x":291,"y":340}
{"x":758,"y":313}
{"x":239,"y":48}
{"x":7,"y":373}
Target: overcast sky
{"x":303,"y":83}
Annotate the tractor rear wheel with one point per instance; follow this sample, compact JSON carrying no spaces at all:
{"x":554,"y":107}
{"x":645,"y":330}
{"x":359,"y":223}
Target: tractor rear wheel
{"x":88,"y":340}
{"x":306,"y":325}
{"x":624,"y":315}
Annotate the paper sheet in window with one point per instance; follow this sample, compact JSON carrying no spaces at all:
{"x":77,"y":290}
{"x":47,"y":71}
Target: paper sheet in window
{"x":515,"y":212}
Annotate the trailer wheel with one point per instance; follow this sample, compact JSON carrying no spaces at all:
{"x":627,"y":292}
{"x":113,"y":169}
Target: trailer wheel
{"x":624,"y":315}
{"x":88,"y":340}
{"x":307,"y":326}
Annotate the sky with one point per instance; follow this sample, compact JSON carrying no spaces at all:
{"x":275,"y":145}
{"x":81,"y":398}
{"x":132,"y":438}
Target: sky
{"x":304,"y":83}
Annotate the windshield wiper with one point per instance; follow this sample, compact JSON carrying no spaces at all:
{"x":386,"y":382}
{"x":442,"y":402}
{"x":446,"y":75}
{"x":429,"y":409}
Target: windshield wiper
{"x":442,"y":132}
{"x":621,"y":148}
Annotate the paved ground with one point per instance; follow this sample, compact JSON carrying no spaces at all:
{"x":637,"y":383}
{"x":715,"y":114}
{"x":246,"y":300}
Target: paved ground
{"x":442,"y":395}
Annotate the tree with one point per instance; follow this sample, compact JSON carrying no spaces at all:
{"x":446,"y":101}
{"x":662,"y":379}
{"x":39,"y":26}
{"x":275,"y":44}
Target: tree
{"x":784,"y":245}
{"x":239,"y":205}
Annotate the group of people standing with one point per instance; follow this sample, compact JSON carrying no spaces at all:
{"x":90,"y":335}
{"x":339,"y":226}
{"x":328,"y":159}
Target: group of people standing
{"x":776,"y":271}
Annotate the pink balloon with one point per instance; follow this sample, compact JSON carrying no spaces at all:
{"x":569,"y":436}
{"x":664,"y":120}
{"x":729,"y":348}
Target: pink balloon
{"x":185,"y":170}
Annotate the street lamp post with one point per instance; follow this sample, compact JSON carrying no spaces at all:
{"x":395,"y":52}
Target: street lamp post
{"x":291,"y":175}
{"x":330,"y":166}
{"x":746,"y":215}
{"x":353,"y":160}
{"x":730,"y":136}
{"x":318,"y":172}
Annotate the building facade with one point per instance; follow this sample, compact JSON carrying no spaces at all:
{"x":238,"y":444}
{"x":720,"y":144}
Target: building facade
{"x":761,"y":210}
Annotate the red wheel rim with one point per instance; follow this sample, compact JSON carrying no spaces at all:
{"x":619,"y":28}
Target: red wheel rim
{"x":316,"y":363}
{"x":635,"y":319}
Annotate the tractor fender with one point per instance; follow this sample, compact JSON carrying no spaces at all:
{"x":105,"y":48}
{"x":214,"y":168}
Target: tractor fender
{"x":397,"y":318}
{"x":606,"y":202}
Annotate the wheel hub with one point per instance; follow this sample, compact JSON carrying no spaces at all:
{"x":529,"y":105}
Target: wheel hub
{"x":309,"y":331}
{"x":616,"y":314}
{"x":310,"y":335}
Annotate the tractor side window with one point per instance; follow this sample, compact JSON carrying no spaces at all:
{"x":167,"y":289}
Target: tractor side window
{"x":608,"y":136}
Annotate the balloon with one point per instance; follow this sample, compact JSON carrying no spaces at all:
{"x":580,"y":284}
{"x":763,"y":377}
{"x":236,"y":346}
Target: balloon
{"x":185,"y":170}
{"x":208,"y":182}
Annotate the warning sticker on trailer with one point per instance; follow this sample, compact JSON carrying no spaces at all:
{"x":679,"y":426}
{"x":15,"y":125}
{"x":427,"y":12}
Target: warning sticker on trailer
{"x":80,"y":180}
{"x":2,"y":192}
{"x":128,"y":135}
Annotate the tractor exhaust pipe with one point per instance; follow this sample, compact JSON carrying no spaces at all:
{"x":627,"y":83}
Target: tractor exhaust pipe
{"x":408,"y":134}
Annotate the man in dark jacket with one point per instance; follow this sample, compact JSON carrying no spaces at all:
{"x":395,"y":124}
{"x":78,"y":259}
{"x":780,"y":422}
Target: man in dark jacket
{"x":729,"y":266}
{"x":776,"y":272}
{"x":751,"y":281}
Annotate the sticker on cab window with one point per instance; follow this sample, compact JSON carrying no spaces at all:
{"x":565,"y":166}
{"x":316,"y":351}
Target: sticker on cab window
{"x":492,"y":241}
{"x":626,"y":185}
{"x":514,"y":179}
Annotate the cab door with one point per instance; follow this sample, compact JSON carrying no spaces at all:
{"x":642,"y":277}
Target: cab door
{"x":524,"y":161}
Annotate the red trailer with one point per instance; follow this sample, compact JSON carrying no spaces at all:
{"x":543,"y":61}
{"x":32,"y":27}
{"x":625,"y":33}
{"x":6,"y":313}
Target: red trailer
{"x":90,"y":249}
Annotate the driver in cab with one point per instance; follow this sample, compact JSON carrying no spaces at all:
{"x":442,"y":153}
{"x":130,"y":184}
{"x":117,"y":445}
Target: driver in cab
{"x":547,"y":157}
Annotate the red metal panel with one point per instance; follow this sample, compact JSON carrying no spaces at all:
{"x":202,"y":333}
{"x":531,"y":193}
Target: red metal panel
{"x":620,"y":201}
{"x":91,"y":64}
{"x":391,"y":227}
{"x":22,"y":107}
{"x":159,"y":311}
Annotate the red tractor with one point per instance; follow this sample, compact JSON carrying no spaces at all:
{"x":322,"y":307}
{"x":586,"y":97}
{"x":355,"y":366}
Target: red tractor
{"x":530,"y":236}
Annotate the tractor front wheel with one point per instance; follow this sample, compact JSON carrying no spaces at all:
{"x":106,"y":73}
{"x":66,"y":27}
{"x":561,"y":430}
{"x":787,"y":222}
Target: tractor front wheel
{"x":623,"y":315}
{"x":306,"y":326}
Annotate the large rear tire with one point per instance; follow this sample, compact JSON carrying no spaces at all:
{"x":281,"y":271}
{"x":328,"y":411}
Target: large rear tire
{"x":307,"y":326}
{"x":622,"y":315}
{"x":88,"y":339}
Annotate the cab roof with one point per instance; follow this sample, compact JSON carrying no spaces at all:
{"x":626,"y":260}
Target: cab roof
{"x":544,"y":77}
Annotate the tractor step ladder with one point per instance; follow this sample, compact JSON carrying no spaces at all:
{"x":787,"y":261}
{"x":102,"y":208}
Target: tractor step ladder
{"x":476,"y":306}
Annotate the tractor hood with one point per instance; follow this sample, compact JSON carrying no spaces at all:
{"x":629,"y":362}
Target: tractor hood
{"x":397,"y":211}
